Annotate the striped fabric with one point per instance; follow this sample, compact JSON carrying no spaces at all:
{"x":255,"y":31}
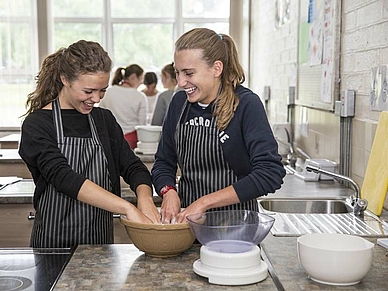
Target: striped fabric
{"x":202,"y":164}
{"x":61,"y":221}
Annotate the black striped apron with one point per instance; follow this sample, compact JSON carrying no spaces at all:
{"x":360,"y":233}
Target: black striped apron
{"x":61,"y":221}
{"x":203,"y":166}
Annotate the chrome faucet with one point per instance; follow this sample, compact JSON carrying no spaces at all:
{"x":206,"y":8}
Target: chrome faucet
{"x":358,"y":204}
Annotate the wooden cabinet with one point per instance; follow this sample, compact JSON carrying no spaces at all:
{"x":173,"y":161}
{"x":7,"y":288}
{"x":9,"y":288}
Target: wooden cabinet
{"x":15,"y":227}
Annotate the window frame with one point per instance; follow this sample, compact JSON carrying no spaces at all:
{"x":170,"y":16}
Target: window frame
{"x":42,"y":25}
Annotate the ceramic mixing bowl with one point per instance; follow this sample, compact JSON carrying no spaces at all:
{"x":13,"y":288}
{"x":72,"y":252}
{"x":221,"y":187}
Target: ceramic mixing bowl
{"x":335,"y":259}
{"x":148,"y":133}
{"x":230,"y":231}
{"x":159,"y":240}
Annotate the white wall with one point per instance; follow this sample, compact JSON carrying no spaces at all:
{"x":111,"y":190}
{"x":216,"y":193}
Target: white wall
{"x":364,"y":44}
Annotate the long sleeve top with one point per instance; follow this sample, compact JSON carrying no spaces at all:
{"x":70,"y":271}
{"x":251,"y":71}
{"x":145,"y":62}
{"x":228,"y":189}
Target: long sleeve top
{"x":161,"y":107}
{"x":248,"y":146}
{"x":129,"y":106}
{"x":39,"y":150}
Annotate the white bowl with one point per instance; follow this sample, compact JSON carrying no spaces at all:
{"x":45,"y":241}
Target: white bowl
{"x":153,"y":146}
{"x":148,"y":133}
{"x":335,"y":259}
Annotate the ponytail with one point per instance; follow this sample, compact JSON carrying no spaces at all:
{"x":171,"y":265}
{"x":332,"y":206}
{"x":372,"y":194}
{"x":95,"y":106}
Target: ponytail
{"x":82,"y":57}
{"x":218,"y":47}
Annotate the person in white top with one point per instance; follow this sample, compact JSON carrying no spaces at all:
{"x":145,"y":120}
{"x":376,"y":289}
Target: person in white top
{"x":150,"y":81}
{"x":127,"y":104}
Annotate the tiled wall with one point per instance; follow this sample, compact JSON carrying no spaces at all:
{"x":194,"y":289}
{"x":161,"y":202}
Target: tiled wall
{"x":364,"y":44}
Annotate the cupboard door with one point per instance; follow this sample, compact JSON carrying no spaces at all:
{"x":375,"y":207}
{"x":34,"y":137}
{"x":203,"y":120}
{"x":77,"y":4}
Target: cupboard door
{"x":15,"y":227}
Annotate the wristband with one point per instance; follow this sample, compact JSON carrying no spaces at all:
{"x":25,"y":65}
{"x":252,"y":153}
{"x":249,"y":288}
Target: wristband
{"x":165,"y":189}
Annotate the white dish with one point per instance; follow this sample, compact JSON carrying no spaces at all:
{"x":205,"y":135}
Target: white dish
{"x":335,"y":259}
{"x":147,"y":146}
{"x":148,"y":133}
{"x":144,"y":152}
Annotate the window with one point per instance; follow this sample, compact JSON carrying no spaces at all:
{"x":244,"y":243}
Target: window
{"x":18,"y":60}
{"x":135,"y":31}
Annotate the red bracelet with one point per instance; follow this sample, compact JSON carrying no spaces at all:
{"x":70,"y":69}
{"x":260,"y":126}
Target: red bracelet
{"x":165,"y":189}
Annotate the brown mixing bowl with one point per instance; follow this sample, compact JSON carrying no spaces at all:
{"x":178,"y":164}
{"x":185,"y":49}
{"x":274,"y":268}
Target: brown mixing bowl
{"x":159,"y":240}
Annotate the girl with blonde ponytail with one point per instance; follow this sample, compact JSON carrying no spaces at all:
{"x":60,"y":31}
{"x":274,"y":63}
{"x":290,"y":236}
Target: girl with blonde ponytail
{"x":216,"y":131}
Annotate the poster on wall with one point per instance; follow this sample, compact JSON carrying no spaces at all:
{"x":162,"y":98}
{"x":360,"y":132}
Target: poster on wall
{"x":315,"y":50}
{"x":327,"y":68}
{"x":318,"y":60}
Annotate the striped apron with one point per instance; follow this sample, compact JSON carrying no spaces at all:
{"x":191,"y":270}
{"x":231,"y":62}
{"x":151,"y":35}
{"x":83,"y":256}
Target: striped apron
{"x":61,"y":221}
{"x":202,"y":163}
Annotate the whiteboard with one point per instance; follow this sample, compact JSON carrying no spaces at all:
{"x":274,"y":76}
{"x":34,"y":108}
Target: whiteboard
{"x":318,"y":53}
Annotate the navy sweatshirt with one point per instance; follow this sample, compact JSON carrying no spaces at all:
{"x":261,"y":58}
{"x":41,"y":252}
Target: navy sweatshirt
{"x":248,"y":145}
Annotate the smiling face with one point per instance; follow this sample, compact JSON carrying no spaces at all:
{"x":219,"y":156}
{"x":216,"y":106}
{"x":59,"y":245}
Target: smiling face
{"x":200,"y":81}
{"x":84,"y":92}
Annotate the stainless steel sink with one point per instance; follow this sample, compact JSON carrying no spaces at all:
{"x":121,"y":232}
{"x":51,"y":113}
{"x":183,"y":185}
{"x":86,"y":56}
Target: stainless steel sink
{"x":295,"y":205}
{"x":298,"y":216}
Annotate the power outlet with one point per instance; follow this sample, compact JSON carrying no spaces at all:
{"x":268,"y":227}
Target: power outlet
{"x":347,"y":103}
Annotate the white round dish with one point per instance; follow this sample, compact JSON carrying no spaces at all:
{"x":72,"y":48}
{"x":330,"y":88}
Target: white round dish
{"x":144,"y":152}
{"x":147,"y":146}
{"x":148,"y":133}
{"x":335,"y":259}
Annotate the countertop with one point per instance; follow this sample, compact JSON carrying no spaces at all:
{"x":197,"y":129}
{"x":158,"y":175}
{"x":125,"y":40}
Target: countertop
{"x":22,"y":191}
{"x":282,"y":253}
{"x":124,"y":267}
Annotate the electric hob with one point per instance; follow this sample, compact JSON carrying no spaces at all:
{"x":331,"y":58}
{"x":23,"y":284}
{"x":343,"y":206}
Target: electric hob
{"x":32,"y":269}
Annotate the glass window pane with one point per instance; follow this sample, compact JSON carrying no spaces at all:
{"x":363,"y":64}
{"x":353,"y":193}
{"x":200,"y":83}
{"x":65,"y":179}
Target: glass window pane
{"x":142,"y":8}
{"x":16,"y":79}
{"x":16,"y":45}
{"x":206,"y":8}
{"x":219,"y":27}
{"x":15,"y":8}
{"x":148,"y":45}
{"x":79,"y":8}
{"x":13,"y":99}
{"x":68,"y":33}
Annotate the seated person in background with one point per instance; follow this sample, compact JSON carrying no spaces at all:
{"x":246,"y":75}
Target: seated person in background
{"x":150,"y":81}
{"x":169,"y":82}
{"x":127,"y":104}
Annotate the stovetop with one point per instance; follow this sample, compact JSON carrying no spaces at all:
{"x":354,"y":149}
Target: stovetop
{"x":32,"y":269}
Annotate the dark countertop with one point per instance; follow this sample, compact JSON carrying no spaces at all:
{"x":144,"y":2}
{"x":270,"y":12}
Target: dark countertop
{"x":123,"y":267}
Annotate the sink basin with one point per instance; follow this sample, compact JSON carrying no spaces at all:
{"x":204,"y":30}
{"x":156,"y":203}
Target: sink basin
{"x":294,"y":205}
